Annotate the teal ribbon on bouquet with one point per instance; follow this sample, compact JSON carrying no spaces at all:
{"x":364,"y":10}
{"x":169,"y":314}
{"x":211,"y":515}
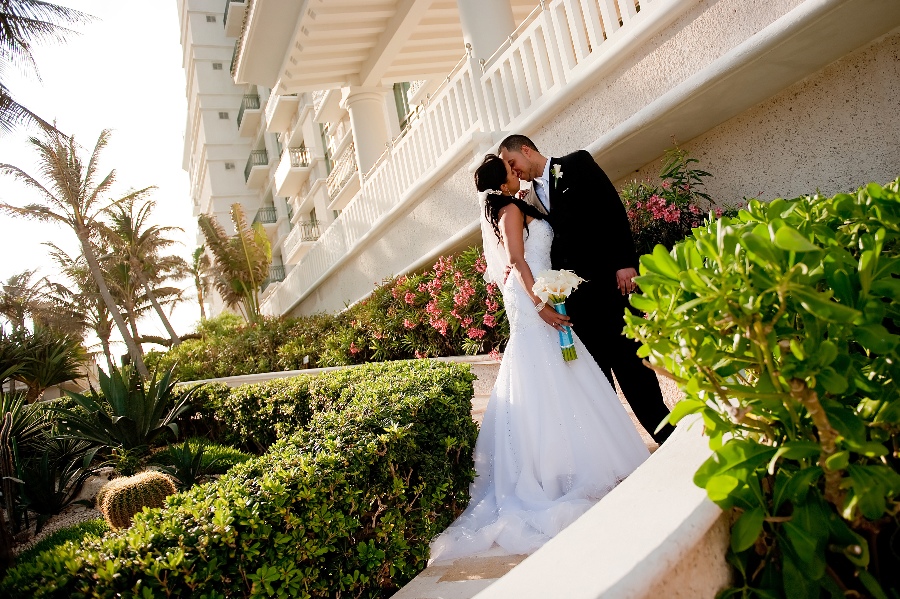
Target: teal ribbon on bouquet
{"x":566,"y":341}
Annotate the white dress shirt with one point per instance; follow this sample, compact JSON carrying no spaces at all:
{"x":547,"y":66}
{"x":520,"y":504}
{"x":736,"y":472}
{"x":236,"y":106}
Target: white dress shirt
{"x":541,"y":186}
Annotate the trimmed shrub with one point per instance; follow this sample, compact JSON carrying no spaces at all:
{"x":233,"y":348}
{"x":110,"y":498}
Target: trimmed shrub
{"x":344,"y":507}
{"x":121,"y":498}
{"x":76,"y":533}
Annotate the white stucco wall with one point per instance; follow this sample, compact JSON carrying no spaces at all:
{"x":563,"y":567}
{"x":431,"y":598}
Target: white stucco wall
{"x":834,"y":131}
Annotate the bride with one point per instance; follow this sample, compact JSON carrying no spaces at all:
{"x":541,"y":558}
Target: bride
{"x":555,"y":438}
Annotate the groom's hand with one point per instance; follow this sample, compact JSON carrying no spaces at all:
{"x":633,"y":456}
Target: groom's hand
{"x":625,"y":280}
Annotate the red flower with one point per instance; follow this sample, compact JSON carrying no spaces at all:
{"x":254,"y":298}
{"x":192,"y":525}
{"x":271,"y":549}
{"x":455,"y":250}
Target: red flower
{"x":494,"y":354}
{"x":409,"y":298}
{"x":466,"y":321}
{"x":409,"y":324}
{"x":480,"y":264}
{"x":474,"y":333}
{"x":489,"y":320}
{"x":353,"y":349}
{"x":420,"y":355}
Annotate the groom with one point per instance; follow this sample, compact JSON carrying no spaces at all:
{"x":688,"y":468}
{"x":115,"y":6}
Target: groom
{"x":592,"y":238}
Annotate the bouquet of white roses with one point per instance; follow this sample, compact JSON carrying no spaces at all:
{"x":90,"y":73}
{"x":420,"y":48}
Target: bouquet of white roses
{"x":553,"y":287}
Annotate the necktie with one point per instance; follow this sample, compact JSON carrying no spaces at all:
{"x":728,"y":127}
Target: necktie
{"x":541,"y":192}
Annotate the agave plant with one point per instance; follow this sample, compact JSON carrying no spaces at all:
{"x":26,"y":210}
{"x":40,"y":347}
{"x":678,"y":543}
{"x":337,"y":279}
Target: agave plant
{"x":128,"y":413}
{"x":52,"y":481}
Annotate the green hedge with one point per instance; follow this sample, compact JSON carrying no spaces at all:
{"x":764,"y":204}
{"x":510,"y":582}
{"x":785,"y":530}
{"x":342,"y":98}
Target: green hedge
{"x":344,"y":507}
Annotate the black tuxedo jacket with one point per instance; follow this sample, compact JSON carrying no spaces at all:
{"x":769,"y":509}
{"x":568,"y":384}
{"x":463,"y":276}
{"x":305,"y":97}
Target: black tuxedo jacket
{"x":592,"y":238}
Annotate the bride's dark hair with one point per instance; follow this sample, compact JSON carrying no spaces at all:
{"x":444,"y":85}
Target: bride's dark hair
{"x":489,"y":177}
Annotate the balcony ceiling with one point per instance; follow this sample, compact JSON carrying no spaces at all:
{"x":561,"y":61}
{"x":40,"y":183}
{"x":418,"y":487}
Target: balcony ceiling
{"x":336,"y":43}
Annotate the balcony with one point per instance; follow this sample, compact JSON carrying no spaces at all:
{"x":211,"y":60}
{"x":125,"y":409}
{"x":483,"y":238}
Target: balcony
{"x":327,"y":106}
{"x":276,"y":274}
{"x":266,"y":215}
{"x":233,"y":18}
{"x":299,"y":240}
{"x":257,"y":169}
{"x":293,"y":170}
{"x":279,"y":110}
{"x":343,"y":181}
{"x":249,"y":115}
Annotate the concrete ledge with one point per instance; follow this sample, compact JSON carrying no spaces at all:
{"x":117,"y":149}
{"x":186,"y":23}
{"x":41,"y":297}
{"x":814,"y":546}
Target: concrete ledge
{"x":655,"y":535}
{"x":477,"y":363}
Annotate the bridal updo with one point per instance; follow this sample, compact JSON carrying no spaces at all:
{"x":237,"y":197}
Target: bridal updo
{"x":489,"y":178}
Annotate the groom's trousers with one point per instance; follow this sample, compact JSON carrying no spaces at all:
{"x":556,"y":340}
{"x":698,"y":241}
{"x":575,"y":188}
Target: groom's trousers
{"x":617,"y":354}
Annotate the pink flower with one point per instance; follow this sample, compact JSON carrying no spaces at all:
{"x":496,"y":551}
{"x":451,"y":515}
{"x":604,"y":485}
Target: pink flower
{"x":718,"y":213}
{"x":489,"y":320}
{"x":492,"y":305}
{"x":495,"y":355}
{"x":694,"y":209}
{"x":492,"y":288}
{"x":353,"y":349}
{"x":409,"y":298}
{"x":409,"y":324}
{"x":422,"y":287}
{"x":666,"y":185}
{"x":474,"y":333}
{"x":480,"y":264}
{"x":378,"y":335}
{"x":420,"y":355}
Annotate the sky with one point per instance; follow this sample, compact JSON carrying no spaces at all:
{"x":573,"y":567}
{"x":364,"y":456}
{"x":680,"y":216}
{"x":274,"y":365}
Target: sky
{"x":122,"y":71}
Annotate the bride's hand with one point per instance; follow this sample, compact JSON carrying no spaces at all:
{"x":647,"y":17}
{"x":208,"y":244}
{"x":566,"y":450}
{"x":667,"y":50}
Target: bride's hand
{"x":553,"y":318}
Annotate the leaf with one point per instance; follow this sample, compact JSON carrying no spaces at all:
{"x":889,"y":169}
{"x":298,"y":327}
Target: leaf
{"x":737,"y":457}
{"x":746,"y":529}
{"x":788,"y":238}
{"x":833,"y":382}
{"x":871,"y":584}
{"x":875,"y":338}
{"x":683,"y":408}
{"x":795,"y":450}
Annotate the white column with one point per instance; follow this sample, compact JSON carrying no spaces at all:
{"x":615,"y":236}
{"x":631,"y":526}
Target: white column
{"x":486,"y":24}
{"x":367,"y":122}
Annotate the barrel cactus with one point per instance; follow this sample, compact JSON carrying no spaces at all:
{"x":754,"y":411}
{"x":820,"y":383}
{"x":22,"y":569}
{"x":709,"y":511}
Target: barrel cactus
{"x":120,"y":499}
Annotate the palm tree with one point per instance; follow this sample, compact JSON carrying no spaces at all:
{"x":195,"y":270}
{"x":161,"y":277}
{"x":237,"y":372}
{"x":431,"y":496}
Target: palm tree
{"x":73,"y":197}
{"x":22,"y":23}
{"x":21,"y":298}
{"x":200,"y":269}
{"x":241,"y":262}
{"x":138,"y":246}
{"x":81,"y":298}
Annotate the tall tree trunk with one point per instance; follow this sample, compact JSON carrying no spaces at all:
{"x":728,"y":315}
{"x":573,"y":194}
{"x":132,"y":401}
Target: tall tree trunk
{"x":94,"y":266}
{"x":162,"y":316}
{"x":104,"y":342}
{"x":132,"y":322}
{"x":200,"y":299}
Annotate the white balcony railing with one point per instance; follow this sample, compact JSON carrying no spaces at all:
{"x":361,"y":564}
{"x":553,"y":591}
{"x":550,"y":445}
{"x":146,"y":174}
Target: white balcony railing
{"x":553,"y":46}
{"x":302,"y":232}
{"x":344,"y":168}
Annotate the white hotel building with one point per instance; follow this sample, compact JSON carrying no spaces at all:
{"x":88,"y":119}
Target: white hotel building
{"x":350,"y":128}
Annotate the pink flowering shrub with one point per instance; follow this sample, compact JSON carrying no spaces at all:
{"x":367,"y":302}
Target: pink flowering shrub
{"x":666,"y":213}
{"x":444,"y":311}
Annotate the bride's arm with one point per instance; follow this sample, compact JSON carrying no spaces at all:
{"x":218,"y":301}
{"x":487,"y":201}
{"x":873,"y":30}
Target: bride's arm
{"x":512,"y":226}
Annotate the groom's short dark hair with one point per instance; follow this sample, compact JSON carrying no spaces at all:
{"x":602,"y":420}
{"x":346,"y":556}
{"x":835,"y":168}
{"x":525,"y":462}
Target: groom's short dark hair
{"x":514,"y":143}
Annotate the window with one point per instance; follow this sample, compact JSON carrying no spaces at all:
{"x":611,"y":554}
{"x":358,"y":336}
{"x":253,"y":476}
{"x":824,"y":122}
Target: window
{"x":401,"y":99}
{"x":229,"y":166}
{"x":217,"y":66}
{"x":210,"y":19}
{"x":223,"y":115}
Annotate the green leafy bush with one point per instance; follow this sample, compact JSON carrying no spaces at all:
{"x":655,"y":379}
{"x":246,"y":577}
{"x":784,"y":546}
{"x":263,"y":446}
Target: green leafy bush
{"x":344,"y":507}
{"x":447,"y":310}
{"x":76,"y":533}
{"x":782,"y":327}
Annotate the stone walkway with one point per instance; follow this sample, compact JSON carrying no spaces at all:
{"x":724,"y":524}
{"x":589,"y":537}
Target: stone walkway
{"x":464,"y":578}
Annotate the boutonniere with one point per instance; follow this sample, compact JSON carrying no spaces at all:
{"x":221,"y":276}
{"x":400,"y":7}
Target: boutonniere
{"x":556,"y":170}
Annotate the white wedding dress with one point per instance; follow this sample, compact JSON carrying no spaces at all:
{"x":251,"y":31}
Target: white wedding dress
{"x":554,"y":440}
